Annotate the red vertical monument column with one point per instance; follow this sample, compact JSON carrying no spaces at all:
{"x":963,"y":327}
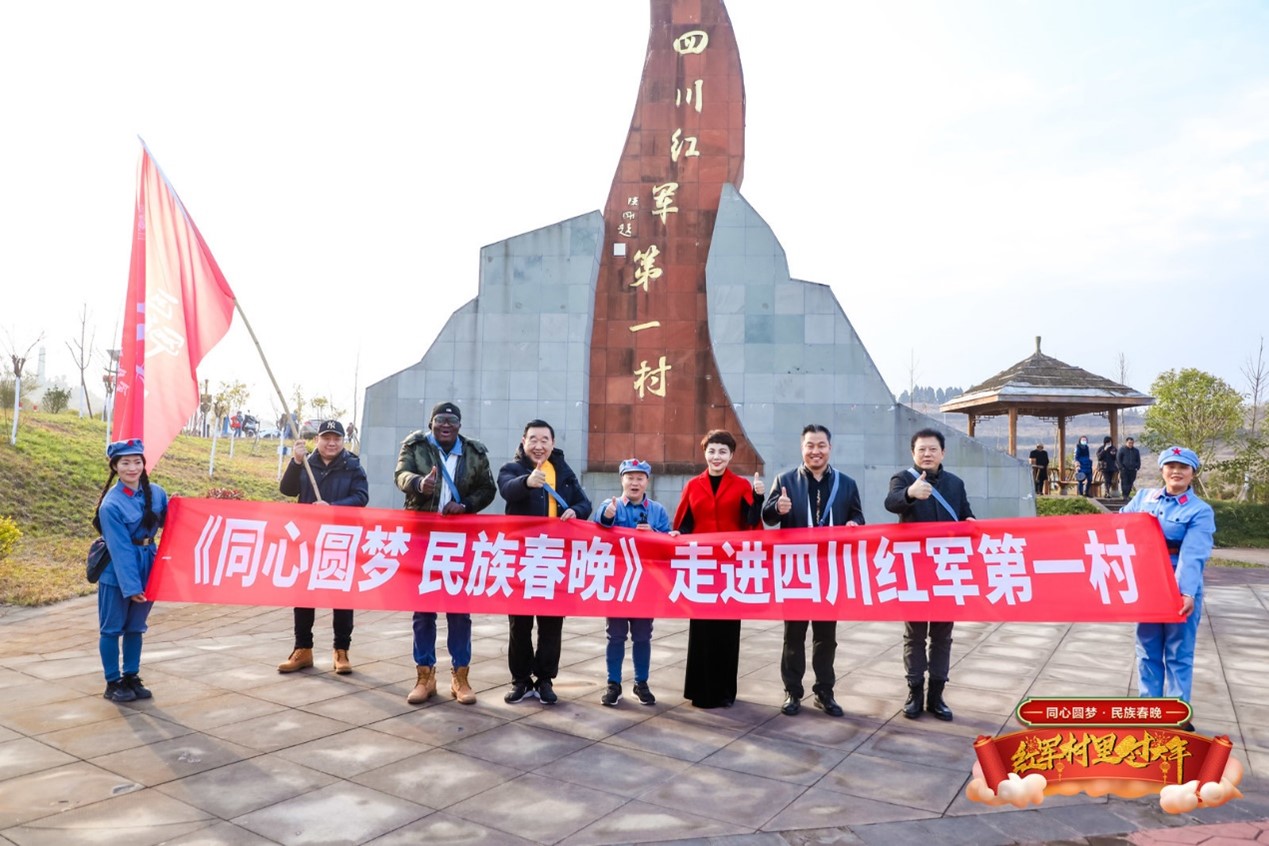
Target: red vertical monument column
{"x":654,"y":384}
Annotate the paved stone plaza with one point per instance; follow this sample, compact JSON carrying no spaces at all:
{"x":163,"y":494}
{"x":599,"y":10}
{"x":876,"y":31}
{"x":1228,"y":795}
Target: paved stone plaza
{"x":230,"y":752}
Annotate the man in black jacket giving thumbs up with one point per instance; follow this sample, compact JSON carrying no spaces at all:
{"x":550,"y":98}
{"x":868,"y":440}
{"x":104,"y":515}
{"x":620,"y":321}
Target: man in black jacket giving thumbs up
{"x":926,"y":493}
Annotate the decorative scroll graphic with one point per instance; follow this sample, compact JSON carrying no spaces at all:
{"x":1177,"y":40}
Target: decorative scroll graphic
{"x":1072,"y":569}
{"x":1186,"y":769}
{"x":654,"y":383}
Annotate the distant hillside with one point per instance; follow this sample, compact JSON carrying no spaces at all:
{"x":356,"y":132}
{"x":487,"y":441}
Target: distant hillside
{"x":50,"y":482}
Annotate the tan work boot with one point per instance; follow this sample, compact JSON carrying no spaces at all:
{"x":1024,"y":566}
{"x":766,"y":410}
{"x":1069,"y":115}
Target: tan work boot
{"x":342,"y":665}
{"x":424,"y":688}
{"x":459,"y":688}
{"x":300,"y":658}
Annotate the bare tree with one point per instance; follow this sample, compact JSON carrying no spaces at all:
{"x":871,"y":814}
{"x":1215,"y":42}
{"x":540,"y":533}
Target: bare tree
{"x":1256,"y":372}
{"x":912,"y":376}
{"x":81,"y":354}
{"x":17,"y":361}
{"x":1254,"y":457}
{"x":1123,"y":380}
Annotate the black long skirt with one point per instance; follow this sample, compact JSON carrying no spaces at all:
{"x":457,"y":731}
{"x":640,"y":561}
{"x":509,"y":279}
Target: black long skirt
{"x":713,"y":660}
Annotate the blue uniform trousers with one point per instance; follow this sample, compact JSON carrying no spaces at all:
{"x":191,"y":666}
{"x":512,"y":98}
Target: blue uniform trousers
{"x":120,"y":618}
{"x":1165,"y":655}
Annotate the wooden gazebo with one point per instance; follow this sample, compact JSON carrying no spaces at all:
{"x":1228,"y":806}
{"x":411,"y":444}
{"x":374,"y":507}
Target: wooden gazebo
{"x":1041,"y":386}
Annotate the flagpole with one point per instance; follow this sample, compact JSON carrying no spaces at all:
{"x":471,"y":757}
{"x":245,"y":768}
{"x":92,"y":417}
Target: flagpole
{"x":286,"y":409}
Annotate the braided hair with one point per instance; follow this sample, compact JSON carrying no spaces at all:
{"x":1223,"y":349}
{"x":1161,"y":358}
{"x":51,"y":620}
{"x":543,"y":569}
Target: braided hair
{"x":149,"y":520}
{"x":97,"y":510}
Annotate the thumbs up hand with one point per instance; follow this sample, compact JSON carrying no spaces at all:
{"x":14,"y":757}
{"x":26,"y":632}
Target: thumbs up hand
{"x":784,"y":505}
{"x":758,"y":487}
{"x":537,"y":478}
{"x":611,"y":511}
{"x":427,"y":484}
{"x":920,"y":489}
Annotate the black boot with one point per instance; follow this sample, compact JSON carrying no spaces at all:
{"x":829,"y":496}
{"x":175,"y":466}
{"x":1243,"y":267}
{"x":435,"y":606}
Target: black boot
{"x":934,"y":701}
{"x":916,"y":700}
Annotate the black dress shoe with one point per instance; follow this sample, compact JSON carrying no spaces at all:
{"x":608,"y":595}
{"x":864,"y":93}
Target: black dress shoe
{"x":792,"y":704}
{"x":826,"y":703}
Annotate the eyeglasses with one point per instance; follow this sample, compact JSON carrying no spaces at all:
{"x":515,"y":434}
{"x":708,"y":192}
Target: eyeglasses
{"x":445,"y":420}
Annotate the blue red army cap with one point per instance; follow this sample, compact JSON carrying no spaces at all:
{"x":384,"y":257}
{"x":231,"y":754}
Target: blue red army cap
{"x":634,"y":465}
{"x":1179,"y":455}
{"x":328,"y":427}
{"x":132,"y":446}
{"x":446,"y":408}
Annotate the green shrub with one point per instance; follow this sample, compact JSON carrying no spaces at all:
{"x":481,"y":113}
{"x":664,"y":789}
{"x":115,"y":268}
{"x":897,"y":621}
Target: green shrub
{"x":1241,"y":524}
{"x":56,"y":399}
{"x":9,"y":534}
{"x":1063,"y":506}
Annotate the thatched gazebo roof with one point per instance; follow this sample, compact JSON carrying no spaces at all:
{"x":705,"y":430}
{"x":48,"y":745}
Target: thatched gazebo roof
{"x":1042,"y":386}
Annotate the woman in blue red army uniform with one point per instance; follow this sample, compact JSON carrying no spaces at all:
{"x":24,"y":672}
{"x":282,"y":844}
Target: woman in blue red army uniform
{"x":1165,"y":651}
{"x":716,"y":501}
{"x":129,"y":514}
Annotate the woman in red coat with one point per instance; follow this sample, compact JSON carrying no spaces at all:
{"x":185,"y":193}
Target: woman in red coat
{"x":716,"y":501}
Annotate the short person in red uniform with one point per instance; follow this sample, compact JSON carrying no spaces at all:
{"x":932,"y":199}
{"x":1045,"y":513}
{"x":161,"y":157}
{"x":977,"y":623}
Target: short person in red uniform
{"x":716,"y":501}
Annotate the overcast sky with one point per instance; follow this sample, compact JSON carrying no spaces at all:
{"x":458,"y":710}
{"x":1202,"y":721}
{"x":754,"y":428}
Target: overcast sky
{"x":964,"y":175}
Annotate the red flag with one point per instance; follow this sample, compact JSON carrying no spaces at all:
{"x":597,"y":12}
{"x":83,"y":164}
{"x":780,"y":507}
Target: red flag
{"x":179,"y":306}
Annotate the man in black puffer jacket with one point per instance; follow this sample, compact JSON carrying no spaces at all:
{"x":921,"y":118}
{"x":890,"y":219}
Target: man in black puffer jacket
{"x":341,"y":480}
{"x":538,"y":483}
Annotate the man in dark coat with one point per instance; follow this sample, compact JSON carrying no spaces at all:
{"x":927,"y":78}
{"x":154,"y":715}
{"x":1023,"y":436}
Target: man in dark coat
{"x":341,"y":480}
{"x":926,"y":493}
{"x":538,"y":483}
{"x":443,"y":472}
{"x":1129,"y":460}
{"x":1107,"y":462}
{"x":813,"y":494}
{"x":1039,"y":467}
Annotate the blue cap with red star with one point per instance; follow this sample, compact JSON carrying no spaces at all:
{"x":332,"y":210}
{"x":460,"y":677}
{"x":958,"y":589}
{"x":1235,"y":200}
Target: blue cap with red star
{"x":132,"y":446}
{"x":634,"y":465}
{"x":1179,"y":455}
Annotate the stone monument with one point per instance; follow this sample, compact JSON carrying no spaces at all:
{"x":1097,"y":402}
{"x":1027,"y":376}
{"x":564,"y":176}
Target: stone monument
{"x":671,"y":313}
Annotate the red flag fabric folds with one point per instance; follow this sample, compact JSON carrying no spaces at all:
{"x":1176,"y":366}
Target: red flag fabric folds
{"x":179,"y":306}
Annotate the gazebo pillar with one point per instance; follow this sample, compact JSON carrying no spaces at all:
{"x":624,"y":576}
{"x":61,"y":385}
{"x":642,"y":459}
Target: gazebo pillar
{"x":1061,"y":450}
{"x":972,"y":420}
{"x":1013,"y":432}
{"x":1114,"y":427}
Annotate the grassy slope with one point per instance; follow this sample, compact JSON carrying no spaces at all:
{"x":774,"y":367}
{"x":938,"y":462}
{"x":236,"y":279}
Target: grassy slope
{"x":49,"y":484}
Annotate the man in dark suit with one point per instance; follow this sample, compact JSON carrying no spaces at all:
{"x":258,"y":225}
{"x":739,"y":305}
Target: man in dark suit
{"x":813,"y":494}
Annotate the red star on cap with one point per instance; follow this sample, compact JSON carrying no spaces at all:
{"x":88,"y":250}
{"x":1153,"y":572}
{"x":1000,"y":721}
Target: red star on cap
{"x":1176,"y":450}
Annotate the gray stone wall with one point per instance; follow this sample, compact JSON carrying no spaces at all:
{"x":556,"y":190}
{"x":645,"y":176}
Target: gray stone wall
{"x":519,"y":350}
{"x":788,"y":356}
{"x":786,"y":352}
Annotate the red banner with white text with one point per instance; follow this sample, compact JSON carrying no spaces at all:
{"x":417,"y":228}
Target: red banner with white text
{"x":1088,"y":568}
